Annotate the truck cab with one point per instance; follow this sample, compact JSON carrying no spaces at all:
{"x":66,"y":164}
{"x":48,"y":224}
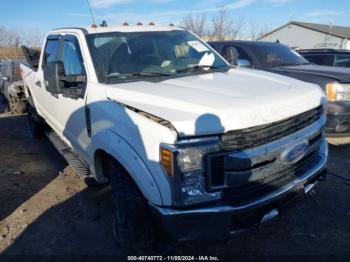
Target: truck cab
{"x":190,"y":144}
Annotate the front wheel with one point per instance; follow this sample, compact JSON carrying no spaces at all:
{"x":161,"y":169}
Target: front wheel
{"x":132,"y":226}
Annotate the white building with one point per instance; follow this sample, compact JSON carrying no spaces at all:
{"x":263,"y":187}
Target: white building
{"x":310,"y":36}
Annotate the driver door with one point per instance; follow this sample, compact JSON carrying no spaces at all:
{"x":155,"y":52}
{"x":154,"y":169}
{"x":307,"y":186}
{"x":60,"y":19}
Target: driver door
{"x":70,"y":110}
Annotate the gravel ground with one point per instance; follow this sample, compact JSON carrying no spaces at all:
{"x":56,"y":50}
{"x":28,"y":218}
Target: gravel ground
{"x":47,"y":210}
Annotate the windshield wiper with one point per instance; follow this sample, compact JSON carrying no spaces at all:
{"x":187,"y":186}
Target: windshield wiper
{"x":136,"y":74}
{"x":197,"y":67}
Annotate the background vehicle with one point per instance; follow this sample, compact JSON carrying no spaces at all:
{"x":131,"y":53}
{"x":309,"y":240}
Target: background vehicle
{"x":188,"y":143}
{"x":280,"y":59}
{"x":11,"y":86}
{"x":327,"y":57}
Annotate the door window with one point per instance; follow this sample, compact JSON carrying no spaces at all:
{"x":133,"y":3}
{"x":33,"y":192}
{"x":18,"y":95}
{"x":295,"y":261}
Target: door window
{"x":342,"y":61}
{"x":71,"y":58}
{"x":326,"y":60}
{"x":51,"y":50}
{"x":242,"y":54}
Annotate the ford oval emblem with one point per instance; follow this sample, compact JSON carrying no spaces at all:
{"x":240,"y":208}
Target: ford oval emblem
{"x":296,"y":152}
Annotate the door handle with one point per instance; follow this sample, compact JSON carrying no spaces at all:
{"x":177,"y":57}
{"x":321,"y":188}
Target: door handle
{"x":38,"y":84}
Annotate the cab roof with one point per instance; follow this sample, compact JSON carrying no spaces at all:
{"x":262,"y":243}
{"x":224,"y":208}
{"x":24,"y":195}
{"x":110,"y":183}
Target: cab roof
{"x":124,"y":28}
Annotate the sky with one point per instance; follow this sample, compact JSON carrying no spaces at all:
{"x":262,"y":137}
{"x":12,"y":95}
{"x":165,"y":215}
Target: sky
{"x":43,"y":15}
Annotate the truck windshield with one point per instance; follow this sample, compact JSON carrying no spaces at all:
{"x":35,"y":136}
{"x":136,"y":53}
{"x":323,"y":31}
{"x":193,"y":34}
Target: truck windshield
{"x":121,"y":56}
{"x":273,"y":55}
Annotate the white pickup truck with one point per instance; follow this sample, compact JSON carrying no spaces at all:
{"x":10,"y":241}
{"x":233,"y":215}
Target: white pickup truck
{"x":189,"y":143}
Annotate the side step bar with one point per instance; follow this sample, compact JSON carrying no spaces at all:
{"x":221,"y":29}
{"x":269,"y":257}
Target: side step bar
{"x":78,"y":164}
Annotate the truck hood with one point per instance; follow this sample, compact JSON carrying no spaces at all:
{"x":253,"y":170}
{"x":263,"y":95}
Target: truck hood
{"x":215,"y":103}
{"x":337,"y":73}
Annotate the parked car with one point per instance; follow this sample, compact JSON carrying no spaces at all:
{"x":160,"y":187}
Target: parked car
{"x":11,"y":86}
{"x":327,"y":57}
{"x":189,"y":143}
{"x":280,"y":59}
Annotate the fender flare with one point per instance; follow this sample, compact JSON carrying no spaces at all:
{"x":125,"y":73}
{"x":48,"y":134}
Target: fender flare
{"x":114,"y":145}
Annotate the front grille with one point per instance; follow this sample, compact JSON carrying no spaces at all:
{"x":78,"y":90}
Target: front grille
{"x":257,"y":136}
{"x":252,"y":191}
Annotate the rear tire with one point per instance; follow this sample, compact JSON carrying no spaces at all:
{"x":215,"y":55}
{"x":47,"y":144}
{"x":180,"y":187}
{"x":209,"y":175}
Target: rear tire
{"x":36,"y":123}
{"x":17,"y":106}
{"x":132,"y":226}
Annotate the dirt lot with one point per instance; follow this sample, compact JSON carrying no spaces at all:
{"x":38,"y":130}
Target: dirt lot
{"x":46,"y":210}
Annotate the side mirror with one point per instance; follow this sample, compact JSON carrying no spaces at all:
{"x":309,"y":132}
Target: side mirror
{"x":56,"y":81}
{"x":53,"y":72}
{"x":231,"y":55}
{"x":243,"y":63}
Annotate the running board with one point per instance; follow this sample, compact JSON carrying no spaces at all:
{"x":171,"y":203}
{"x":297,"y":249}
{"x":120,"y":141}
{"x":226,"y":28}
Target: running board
{"x":78,"y":164}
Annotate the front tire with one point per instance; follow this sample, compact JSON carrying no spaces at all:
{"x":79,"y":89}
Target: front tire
{"x":132,"y":226}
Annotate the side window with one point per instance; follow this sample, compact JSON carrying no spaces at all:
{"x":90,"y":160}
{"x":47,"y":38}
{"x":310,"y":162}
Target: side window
{"x":342,"y":61}
{"x":241,"y":53}
{"x":51,"y":50}
{"x":320,"y":59}
{"x":71,"y":58}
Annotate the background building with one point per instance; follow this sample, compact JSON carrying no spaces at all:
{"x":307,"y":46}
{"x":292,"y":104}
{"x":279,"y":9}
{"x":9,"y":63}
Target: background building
{"x":308,"y":35}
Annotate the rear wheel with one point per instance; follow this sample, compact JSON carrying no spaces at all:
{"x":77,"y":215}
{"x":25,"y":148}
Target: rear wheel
{"x":132,"y":226}
{"x":17,"y":106}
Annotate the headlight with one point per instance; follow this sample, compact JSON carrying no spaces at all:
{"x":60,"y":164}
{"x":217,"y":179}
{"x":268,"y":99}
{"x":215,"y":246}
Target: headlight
{"x":184,"y":166}
{"x":338,"y":92}
{"x":192,"y":158}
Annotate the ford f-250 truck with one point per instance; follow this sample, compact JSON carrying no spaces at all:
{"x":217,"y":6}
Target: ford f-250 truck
{"x":190,"y":144}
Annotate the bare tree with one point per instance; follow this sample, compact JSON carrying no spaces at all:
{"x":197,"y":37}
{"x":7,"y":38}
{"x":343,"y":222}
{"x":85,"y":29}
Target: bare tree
{"x":237,"y":27}
{"x":15,"y":38}
{"x":264,"y":30}
{"x":221,"y":25}
{"x":225,"y":27}
{"x":257,"y":31}
{"x":195,"y":23}
{"x":253,"y":28}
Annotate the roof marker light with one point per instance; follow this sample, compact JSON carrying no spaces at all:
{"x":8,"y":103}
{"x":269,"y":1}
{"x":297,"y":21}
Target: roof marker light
{"x":151,"y":23}
{"x":139,"y":23}
{"x":103,"y":24}
{"x":126,"y":24}
{"x":171,"y":24}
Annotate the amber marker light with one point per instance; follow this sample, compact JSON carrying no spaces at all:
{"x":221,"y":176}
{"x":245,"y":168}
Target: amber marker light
{"x":166,"y":156}
{"x":331,"y":91}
